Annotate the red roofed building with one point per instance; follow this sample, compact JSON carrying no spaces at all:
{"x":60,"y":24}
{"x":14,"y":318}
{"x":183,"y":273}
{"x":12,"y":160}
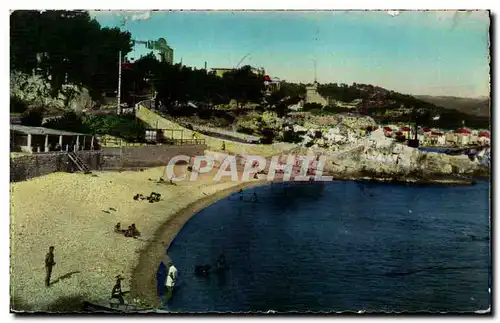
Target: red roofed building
{"x":126,"y":65}
{"x":463,"y":136}
{"x":463,"y":131}
{"x":484,"y":134}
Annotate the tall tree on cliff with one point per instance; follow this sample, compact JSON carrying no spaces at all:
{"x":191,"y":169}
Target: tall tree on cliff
{"x":67,"y":46}
{"x":140,"y":78}
{"x":244,"y":85}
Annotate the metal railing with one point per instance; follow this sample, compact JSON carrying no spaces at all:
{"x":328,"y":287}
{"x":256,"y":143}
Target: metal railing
{"x":185,"y":141}
{"x":118,"y":142}
{"x":113,"y":142}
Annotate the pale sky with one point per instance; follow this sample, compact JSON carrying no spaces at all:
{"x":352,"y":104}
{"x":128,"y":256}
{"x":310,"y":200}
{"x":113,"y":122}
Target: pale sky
{"x":414,"y":52}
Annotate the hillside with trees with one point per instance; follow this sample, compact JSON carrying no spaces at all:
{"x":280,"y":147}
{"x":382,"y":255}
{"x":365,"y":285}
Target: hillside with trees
{"x":58,"y":56}
{"x":67,"y":47}
{"x":388,"y":106}
{"x":472,"y":106}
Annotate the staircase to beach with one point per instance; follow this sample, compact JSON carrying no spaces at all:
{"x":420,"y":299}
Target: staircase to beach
{"x":80,"y":165}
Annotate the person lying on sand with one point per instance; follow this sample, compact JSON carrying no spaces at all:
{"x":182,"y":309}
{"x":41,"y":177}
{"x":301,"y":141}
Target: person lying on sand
{"x":119,"y":230}
{"x":135,"y":232}
{"x":153,"y":197}
{"x":129,"y":232}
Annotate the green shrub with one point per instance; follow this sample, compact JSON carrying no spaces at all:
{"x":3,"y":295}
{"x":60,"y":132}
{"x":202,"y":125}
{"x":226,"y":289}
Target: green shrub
{"x":17,"y":105}
{"x":291,"y":136}
{"x":335,"y":109}
{"x":312,"y":106}
{"x":126,"y":127}
{"x":70,"y":121}
{"x":32,"y":117}
{"x":316,"y":111}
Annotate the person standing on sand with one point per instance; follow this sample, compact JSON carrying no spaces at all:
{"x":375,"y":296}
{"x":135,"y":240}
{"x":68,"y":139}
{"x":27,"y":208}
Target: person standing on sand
{"x":171,"y":278}
{"x":49,"y":263}
{"x":117,"y":290}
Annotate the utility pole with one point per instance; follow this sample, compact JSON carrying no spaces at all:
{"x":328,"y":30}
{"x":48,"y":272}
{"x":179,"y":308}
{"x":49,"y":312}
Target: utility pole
{"x":409,"y":125}
{"x":118,"y":111}
{"x":315,"y":72}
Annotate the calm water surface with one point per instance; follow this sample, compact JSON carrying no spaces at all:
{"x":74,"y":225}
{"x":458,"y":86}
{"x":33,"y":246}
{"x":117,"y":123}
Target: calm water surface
{"x":339,"y":246}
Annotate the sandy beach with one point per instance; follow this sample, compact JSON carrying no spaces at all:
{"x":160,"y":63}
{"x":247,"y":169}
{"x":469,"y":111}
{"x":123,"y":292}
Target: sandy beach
{"x":77,"y":213}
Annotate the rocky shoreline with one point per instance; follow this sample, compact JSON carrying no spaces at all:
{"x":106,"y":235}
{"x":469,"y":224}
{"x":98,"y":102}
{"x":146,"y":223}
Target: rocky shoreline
{"x":416,"y":178}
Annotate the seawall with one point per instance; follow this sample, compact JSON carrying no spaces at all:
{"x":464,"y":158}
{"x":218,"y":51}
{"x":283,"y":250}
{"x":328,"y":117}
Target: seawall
{"x":146,"y":156}
{"x":40,"y":164}
{"x":109,"y":158}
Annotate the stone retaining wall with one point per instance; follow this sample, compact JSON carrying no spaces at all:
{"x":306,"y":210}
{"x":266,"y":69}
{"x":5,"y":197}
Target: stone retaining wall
{"x":39,"y":164}
{"x":146,"y":156}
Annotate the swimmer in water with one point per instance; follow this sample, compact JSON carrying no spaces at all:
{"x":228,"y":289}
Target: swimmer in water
{"x":254,"y":197}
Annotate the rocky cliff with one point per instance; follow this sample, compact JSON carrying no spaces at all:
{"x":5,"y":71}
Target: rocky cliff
{"x":35,"y":91}
{"x":376,"y":156}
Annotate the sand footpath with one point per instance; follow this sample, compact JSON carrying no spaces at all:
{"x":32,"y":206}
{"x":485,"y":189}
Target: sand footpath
{"x":76,"y":213}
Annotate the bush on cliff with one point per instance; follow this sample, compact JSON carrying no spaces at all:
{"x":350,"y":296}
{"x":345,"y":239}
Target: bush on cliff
{"x":32,"y":117}
{"x":70,"y":121}
{"x":266,"y":125}
{"x":126,"y":127}
{"x":17,"y":105}
{"x":312,"y":106}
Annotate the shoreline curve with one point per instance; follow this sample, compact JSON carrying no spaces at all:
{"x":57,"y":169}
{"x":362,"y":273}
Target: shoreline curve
{"x":143,"y":279}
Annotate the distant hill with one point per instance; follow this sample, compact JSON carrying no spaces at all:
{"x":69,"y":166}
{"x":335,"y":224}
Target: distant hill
{"x":473,"y":106}
{"x":387,"y":106}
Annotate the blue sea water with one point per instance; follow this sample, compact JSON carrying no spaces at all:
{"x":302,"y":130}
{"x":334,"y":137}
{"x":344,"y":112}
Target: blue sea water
{"x":338,"y":246}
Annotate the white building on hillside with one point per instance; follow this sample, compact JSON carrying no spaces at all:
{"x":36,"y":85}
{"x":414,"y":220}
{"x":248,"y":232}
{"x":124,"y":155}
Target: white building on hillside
{"x":312,"y":95}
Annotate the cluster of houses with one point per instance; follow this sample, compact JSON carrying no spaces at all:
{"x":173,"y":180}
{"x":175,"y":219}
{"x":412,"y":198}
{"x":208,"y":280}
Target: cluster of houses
{"x":440,"y":138}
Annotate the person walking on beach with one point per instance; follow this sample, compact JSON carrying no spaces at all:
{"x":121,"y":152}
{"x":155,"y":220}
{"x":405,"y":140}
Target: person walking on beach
{"x":49,"y":263}
{"x":117,"y":290}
